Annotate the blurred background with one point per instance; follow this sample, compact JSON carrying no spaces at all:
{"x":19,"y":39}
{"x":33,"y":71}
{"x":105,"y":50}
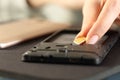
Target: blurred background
{"x":11,"y":10}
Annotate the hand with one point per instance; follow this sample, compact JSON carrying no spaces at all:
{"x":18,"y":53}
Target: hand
{"x":74,"y":4}
{"x":98,"y":15}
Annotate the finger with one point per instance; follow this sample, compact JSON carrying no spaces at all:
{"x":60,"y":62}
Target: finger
{"x":102,"y":2}
{"x":37,"y":3}
{"x":107,"y":16}
{"x":90,"y":13}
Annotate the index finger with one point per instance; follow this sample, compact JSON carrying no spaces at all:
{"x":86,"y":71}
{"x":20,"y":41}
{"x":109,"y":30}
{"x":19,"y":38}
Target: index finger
{"x":109,"y":13}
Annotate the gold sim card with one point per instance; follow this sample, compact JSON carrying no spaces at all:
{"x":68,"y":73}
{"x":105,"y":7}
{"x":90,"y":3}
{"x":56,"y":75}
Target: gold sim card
{"x":79,"y":40}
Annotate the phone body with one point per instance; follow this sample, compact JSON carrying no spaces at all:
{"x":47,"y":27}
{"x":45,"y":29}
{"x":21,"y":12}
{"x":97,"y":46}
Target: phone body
{"x":59,"y":48}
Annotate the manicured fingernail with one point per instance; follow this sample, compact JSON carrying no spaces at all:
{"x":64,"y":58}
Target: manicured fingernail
{"x":93,"y":39}
{"x":79,"y":40}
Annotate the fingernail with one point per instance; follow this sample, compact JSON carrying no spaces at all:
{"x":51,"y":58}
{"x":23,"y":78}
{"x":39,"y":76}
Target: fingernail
{"x":93,"y":39}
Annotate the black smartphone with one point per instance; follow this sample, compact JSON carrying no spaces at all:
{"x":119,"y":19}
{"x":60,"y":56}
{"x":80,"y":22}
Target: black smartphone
{"x":59,"y":48}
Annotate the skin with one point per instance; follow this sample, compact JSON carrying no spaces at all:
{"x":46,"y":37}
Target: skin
{"x":73,"y":4}
{"x":99,"y":20}
{"x":98,"y":15}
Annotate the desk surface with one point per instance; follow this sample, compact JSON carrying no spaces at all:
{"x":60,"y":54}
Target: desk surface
{"x":12,"y":66}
